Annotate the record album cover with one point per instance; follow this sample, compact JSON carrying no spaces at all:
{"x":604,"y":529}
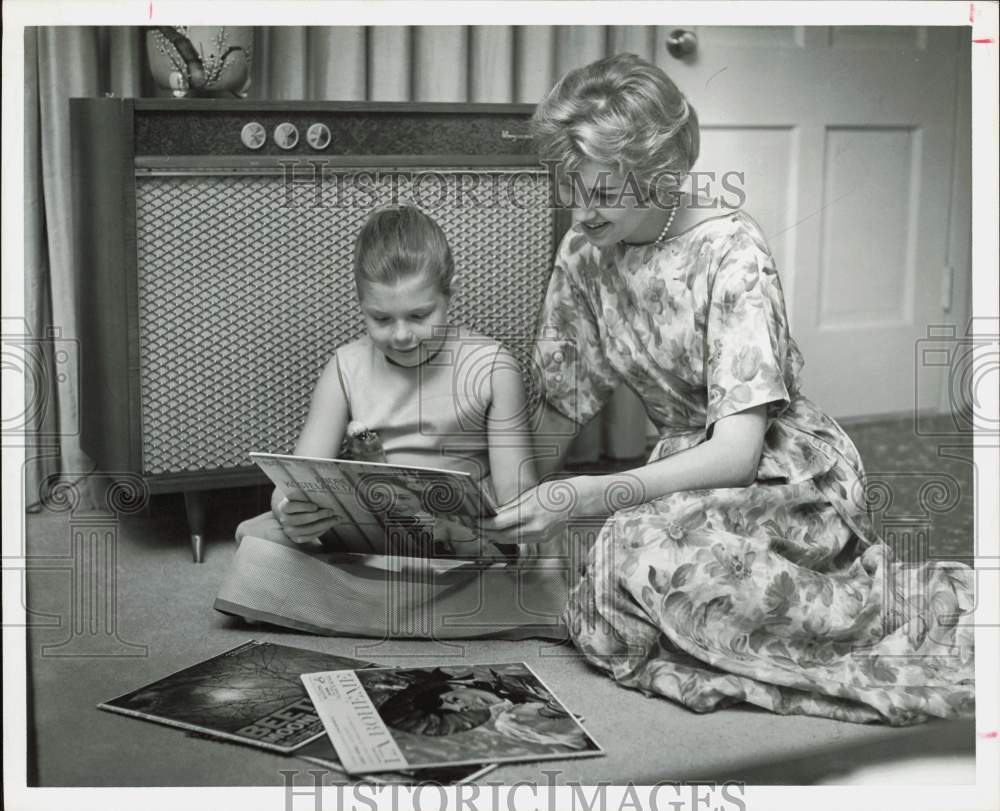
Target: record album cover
{"x":252,"y":694}
{"x":391,"y":719}
{"x":389,"y":509}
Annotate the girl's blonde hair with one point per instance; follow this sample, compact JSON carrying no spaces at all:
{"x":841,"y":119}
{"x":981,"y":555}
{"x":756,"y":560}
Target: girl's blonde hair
{"x":623,"y":112}
{"x":401,"y":241}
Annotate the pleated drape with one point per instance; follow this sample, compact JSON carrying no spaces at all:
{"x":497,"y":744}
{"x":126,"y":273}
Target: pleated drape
{"x":382,"y":63}
{"x":60,"y":63}
{"x":43,"y":458}
{"x":431,"y":63}
{"x":491,"y":64}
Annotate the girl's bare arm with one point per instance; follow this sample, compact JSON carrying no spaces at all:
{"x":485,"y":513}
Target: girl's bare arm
{"x":512,"y":465}
{"x":321,"y":437}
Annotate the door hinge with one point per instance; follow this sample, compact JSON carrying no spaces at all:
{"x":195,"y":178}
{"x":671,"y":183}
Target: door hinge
{"x":947,"y":280}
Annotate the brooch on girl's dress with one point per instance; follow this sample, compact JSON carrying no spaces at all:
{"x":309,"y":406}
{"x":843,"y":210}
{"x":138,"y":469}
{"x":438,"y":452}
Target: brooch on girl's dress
{"x":363,"y":444}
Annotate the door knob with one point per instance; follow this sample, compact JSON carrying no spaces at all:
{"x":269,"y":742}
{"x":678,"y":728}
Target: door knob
{"x":682,"y":42}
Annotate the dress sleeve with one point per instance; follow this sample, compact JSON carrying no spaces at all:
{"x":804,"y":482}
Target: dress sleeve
{"x":575,"y":374}
{"x":752,"y":360}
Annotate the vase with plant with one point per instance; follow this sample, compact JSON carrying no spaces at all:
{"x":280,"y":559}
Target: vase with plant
{"x":201,"y":60}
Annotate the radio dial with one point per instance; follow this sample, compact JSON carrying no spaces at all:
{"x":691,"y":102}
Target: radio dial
{"x":253,"y":135}
{"x":318,"y":136}
{"x":286,"y":135}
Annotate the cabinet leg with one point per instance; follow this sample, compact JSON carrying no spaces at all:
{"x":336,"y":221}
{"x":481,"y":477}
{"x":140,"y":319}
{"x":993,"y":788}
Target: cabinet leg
{"x":194,"y":503}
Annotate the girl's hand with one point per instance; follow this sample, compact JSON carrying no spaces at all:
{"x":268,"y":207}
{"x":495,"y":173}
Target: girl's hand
{"x":450,"y":531}
{"x":543,"y":512}
{"x":303,"y":521}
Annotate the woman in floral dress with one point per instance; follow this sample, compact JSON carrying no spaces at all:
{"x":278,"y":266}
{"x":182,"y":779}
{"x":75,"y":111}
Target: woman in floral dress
{"x":739,"y":564}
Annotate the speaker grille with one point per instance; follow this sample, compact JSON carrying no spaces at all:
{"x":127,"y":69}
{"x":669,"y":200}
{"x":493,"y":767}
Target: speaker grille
{"x":245,"y":289}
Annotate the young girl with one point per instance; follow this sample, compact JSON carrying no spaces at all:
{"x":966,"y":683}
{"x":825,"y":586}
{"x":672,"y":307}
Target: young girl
{"x":434,"y":393}
{"x":739,"y":564}
{"x":414,"y":380}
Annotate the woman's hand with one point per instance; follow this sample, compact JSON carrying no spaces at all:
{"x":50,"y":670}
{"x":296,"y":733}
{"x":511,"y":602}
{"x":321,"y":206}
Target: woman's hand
{"x":543,"y":512}
{"x":303,"y":521}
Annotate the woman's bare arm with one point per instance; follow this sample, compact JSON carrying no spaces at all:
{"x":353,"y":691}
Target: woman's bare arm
{"x":728,"y":459}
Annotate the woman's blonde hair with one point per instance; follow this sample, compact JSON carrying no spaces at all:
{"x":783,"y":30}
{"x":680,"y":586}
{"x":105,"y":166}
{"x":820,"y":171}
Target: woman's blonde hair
{"x":401,"y":241}
{"x":623,"y":112}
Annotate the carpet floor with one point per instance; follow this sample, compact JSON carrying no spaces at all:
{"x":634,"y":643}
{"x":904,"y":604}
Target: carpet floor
{"x":102,"y":625}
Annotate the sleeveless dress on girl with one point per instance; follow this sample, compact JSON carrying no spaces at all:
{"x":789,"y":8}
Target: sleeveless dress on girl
{"x":430,"y":415}
{"x":777,"y":594}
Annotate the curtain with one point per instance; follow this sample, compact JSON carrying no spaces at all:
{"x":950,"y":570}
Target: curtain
{"x":383,"y":63}
{"x":60,"y":62}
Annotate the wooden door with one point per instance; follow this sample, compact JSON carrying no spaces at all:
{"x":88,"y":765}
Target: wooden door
{"x":845,"y":137}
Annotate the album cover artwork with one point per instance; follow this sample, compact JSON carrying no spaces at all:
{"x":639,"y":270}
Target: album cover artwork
{"x":252,"y":694}
{"x":391,"y":719}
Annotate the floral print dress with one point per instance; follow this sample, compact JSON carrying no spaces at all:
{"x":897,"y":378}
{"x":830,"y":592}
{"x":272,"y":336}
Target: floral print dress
{"x":777,"y":594}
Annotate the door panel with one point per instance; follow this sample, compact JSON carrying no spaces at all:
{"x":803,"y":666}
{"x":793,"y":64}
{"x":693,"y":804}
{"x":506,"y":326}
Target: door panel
{"x":877,"y":36}
{"x":867,"y":281}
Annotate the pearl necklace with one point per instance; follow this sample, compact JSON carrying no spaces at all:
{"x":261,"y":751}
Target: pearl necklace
{"x":670,"y":221}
